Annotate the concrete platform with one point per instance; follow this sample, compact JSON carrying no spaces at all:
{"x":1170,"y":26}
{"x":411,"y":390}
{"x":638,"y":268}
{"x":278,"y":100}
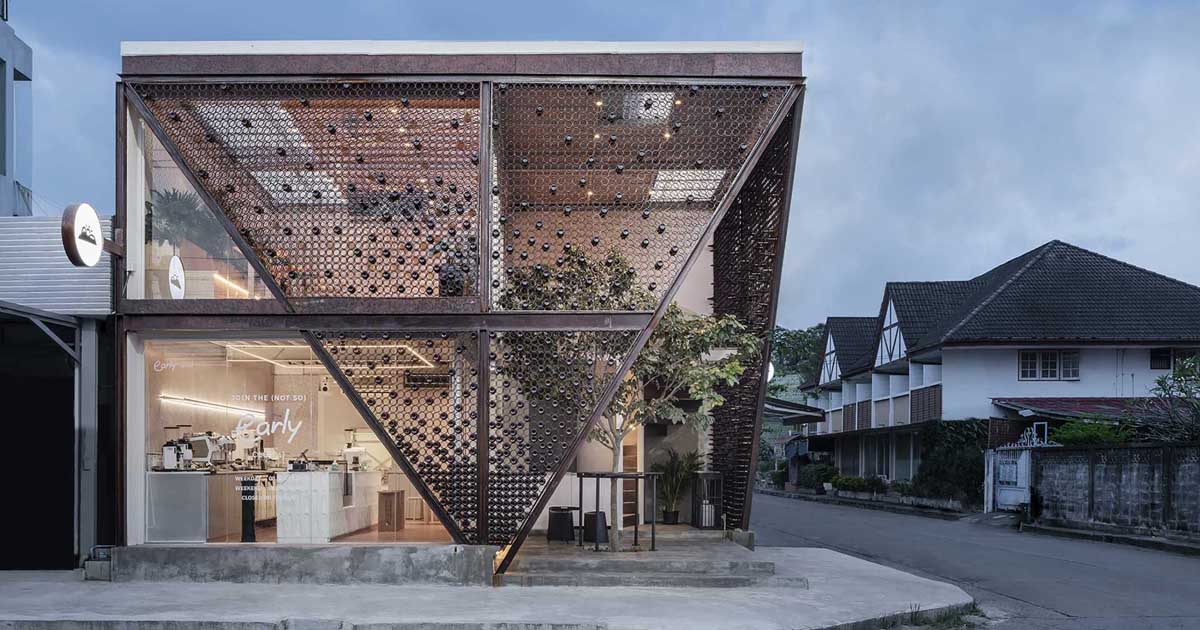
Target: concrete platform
{"x":306,"y":564}
{"x":677,"y":562}
{"x":844,"y":593}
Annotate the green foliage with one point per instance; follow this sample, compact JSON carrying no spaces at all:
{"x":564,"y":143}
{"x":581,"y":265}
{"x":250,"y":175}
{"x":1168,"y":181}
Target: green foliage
{"x":178,"y":215}
{"x":876,"y":485}
{"x":1077,"y":432}
{"x":686,"y":361}
{"x":850,"y":483}
{"x":766,"y":457}
{"x":779,"y":477}
{"x":903,"y":488}
{"x":797,"y":351}
{"x":578,"y":283}
{"x":952,"y":461}
{"x":678,"y":471}
{"x":814,"y":475}
{"x":1172,"y":414}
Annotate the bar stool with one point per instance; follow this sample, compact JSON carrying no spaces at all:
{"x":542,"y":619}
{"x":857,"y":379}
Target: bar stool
{"x":590,"y":527}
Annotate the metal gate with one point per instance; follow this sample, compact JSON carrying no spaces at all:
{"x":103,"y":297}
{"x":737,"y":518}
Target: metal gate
{"x":1008,"y":470}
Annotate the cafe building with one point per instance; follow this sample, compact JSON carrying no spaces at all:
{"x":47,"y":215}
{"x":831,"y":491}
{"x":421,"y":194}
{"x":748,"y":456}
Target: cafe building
{"x":378,"y":292}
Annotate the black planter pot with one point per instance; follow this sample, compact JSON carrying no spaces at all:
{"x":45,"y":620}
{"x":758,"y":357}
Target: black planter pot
{"x":671,"y":517}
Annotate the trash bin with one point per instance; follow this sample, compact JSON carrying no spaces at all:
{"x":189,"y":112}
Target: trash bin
{"x":562,"y":524}
{"x":590,"y":527}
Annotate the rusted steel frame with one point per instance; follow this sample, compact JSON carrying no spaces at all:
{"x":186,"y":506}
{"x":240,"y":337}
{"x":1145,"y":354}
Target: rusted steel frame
{"x":484,"y":215}
{"x":453,"y":322}
{"x":776,"y":276}
{"x":482,"y":438}
{"x":453,"y":78}
{"x":369,"y":417}
{"x":606,"y":397}
{"x":248,"y":252}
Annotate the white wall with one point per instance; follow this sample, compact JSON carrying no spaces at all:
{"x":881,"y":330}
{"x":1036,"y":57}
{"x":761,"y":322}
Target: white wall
{"x":695,"y":294}
{"x":971,"y":377}
{"x":898,"y":384}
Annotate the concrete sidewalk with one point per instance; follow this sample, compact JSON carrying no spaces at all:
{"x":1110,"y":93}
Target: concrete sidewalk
{"x":843,"y":590}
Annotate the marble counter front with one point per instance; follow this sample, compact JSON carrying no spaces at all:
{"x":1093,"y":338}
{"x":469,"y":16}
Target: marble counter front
{"x":318,"y":506}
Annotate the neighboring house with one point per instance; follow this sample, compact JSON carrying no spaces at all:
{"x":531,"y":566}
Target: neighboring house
{"x":1059,"y":332}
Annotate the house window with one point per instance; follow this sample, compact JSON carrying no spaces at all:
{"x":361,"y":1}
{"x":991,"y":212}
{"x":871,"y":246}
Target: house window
{"x":1168,"y":358}
{"x":1048,"y":365}
{"x":1160,"y":359}
{"x":1069,"y":364}
{"x":1029,"y":366}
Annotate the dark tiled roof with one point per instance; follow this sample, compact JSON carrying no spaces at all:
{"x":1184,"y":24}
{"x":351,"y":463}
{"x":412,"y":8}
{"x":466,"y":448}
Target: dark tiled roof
{"x":921,"y":305}
{"x":1071,"y":407}
{"x":1062,"y":293}
{"x":853,"y":340}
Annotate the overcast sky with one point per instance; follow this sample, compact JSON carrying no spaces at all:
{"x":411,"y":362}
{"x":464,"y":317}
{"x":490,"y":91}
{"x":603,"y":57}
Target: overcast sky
{"x":939,"y":139}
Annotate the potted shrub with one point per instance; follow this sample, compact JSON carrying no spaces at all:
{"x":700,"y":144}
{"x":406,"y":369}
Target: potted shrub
{"x":677,"y":474}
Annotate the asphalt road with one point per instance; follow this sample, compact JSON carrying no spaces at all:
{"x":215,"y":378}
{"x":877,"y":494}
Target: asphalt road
{"x":1019,"y":580}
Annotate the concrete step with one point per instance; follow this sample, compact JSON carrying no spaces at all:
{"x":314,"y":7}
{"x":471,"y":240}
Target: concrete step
{"x":658,"y":580}
{"x":540,"y":565}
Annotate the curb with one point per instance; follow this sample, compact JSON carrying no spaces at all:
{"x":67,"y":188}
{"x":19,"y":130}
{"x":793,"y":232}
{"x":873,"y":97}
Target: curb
{"x":894,"y":620}
{"x":869,"y":505}
{"x":1157,"y":544}
{"x":286,"y":624}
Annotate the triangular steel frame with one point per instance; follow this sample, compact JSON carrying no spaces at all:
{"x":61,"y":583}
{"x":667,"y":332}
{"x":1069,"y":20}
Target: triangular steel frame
{"x":507,"y":555}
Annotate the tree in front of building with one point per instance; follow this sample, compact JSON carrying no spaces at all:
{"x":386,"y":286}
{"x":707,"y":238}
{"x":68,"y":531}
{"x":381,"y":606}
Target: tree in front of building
{"x":1172,"y":413}
{"x":796,"y":352}
{"x":676,"y":379}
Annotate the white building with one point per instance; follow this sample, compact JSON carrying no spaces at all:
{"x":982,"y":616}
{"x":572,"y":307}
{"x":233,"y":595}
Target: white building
{"x":1056,"y":333}
{"x":16,"y":123}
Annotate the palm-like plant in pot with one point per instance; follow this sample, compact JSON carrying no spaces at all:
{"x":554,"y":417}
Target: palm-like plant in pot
{"x":677,"y":471}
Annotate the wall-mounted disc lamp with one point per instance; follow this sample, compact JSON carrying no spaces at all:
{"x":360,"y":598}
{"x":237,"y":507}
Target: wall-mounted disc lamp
{"x":83,"y":238}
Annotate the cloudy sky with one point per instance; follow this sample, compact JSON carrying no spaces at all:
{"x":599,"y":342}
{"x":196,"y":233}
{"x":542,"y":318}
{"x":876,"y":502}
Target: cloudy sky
{"x":939,"y":139}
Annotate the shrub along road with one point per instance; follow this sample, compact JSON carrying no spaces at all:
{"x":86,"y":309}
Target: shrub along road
{"x":1019,"y":580}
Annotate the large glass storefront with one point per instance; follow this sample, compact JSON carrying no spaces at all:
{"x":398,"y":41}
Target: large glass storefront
{"x":251,"y":440}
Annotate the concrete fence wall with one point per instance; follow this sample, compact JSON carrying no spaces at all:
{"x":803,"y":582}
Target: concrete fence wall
{"x":1137,"y":488}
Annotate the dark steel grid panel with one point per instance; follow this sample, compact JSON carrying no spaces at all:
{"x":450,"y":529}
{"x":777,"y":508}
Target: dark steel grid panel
{"x":746,"y":249}
{"x":348,"y":189}
{"x":614,"y":173}
{"x":544,"y":388}
{"x":421,"y":390}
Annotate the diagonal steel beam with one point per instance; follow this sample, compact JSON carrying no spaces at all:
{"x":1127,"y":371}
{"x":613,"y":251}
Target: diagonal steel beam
{"x":781,"y":112}
{"x":248,"y":252}
{"x":369,"y":417}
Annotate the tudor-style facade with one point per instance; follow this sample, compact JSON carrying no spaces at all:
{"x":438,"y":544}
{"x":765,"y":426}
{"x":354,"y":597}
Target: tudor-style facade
{"x":1059,"y":332}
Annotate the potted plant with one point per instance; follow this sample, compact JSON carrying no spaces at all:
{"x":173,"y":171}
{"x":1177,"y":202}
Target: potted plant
{"x":677,"y":474}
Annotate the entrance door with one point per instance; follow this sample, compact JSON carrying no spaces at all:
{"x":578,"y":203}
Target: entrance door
{"x":629,"y":463}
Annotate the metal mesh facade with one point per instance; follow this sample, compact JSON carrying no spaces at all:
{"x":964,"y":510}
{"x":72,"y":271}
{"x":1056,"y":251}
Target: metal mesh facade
{"x":370,"y":193}
{"x":745,"y":251}
{"x":420,"y":390}
{"x":544,"y":387}
{"x":623,"y":175}
{"x":341,"y":189}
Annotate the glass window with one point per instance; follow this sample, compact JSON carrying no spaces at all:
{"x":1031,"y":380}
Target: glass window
{"x":1160,"y":359}
{"x":1029,"y":365}
{"x":181,"y":250}
{"x":1069,"y":364}
{"x":1049,"y":365}
{"x":252,"y":440}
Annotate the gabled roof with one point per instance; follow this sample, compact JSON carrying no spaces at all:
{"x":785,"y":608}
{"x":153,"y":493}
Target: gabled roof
{"x":853,"y":340}
{"x":1062,"y":293}
{"x":921,"y":305}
